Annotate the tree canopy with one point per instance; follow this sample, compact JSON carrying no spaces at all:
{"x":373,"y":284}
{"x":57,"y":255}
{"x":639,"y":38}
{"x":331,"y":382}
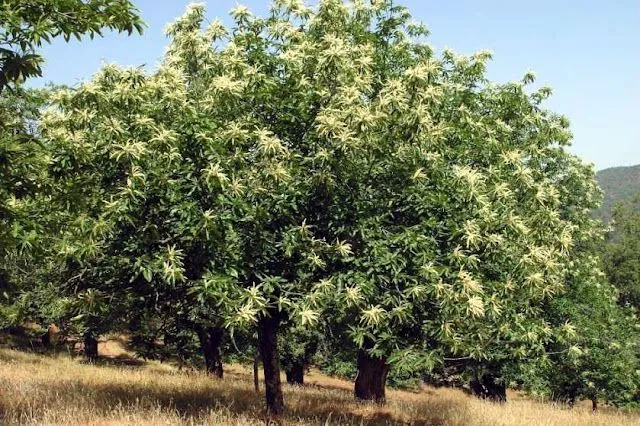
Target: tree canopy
{"x":26,"y":218}
{"x":26,"y":24}
{"x":622,"y":254}
{"x":320,"y":158}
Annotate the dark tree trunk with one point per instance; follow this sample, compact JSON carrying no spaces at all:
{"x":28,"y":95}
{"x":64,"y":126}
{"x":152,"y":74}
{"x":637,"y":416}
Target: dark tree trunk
{"x":486,"y":387}
{"x":371,"y":378}
{"x":90,"y":345}
{"x":567,"y":393}
{"x":51,"y":337}
{"x":211,"y":342}
{"x":571,"y":401}
{"x":295,"y":373}
{"x":268,"y":342}
{"x":256,"y":365}
{"x":594,"y":404}
{"x":45,"y":338}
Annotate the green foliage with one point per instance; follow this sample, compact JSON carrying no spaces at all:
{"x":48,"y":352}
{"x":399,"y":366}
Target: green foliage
{"x":602,"y":364}
{"x":622,"y":253}
{"x":298,"y":346}
{"x":310,"y":157}
{"x":597,"y":358}
{"x":22,"y":165}
{"x":343,"y":367}
{"x":326,"y":166}
{"x":28,"y":220}
{"x":457,"y":200}
{"x":23,"y":183}
{"x":26,"y":24}
{"x":620,"y":185}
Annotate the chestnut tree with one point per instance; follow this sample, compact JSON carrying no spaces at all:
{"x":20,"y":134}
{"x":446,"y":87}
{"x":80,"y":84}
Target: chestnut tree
{"x":327,"y":157}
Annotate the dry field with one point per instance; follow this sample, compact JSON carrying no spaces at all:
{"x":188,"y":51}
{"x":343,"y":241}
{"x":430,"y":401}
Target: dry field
{"x":59,"y":390}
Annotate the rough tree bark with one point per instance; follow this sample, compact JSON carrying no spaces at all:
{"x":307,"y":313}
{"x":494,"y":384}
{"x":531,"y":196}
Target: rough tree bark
{"x":211,"y":342}
{"x":372,"y":377}
{"x":268,"y":343}
{"x":90,"y":345}
{"x":295,"y":373}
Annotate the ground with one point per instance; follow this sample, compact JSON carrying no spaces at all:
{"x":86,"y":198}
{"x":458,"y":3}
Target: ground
{"x":62,"y":390}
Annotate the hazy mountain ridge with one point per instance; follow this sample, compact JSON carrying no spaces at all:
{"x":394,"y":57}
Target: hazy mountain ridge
{"x":619,"y":184}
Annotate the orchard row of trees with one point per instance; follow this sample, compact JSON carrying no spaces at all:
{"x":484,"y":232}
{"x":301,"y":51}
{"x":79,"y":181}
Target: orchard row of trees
{"x":317,"y":178}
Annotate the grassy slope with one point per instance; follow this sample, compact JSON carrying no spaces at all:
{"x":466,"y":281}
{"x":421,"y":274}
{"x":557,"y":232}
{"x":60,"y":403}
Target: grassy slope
{"x":619,"y":184}
{"x":58,"y":390}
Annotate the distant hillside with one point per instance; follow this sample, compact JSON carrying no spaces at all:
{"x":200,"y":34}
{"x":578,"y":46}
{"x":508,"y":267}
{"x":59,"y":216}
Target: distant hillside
{"x":619,"y":184}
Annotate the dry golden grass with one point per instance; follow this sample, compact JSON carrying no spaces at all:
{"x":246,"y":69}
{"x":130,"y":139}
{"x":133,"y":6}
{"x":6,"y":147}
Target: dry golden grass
{"x":58,"y":390}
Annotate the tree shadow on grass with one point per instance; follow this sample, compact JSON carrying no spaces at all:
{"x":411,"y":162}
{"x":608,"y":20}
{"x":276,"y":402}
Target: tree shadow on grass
{"x":317,"y":404}
{"x":196,"y":403}
{"x":338,"y":407}
{"x":22,"y":357}
{"x":122,"y":360}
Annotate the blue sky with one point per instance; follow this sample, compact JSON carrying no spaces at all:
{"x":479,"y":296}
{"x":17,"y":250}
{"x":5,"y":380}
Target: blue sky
{"x":587,"y":50}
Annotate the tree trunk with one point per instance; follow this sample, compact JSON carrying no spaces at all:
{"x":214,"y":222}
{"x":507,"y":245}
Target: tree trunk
{"x":268,"y":342}
{"x":51,"y":337}
{"x":211,"y":342}
{"x":45,"y":338}
{"x":256,"y":365}
{"x":295,"y":373}
{"x":486,"y":387}
{"x":90,"y":345}
{"x":594,"y":404}
{"x":371,"y":378}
